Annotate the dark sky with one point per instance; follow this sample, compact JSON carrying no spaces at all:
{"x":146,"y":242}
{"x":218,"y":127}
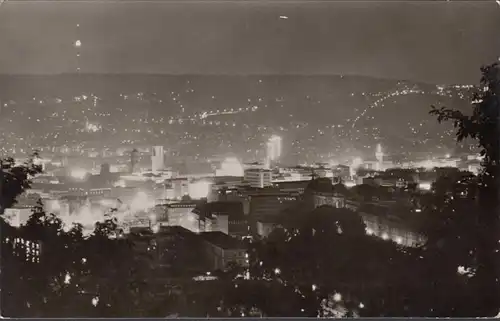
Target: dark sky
{"x":428,"y":41}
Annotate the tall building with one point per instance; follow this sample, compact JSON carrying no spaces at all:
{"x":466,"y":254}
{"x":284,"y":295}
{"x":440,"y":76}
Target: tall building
{"x":134,"y":158}
{"x":273,"y":152}
{"x":157,"y":159}
{"x":259,"y":178}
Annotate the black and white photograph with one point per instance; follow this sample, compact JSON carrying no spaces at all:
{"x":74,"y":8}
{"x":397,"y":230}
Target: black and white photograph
{"x":249,"y":158}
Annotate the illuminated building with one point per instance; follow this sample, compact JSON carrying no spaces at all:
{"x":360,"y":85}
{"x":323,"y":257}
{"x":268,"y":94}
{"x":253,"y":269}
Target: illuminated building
{"x":157,"y":159}
{"x":177,"y":214}
{"x":258,"y":178}
{"x":273,"y":151}
{"x":225,"y":217}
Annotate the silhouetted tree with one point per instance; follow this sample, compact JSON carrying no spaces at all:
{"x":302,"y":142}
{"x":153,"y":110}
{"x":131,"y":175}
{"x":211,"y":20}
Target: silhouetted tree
{"x":483,"y":125}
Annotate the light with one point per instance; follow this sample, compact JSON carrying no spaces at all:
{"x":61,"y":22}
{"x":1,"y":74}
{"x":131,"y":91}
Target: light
{"x":369,"y":231}
{"x":246,"y":255}
{"x":78,"y":174}
{"x":361,"y":305}
{"x":199,"y":189}
{"x":314,"y":287}
{"x":418,"y":210}
{"x":155,"y":228}
{"x":231,"y":167}
{"x":95,"y":301}
{"x":385,"y":236}
{"x":349,"y":184}
{"x":78,"y":43}
{"x":337,"y":297}
{"x":425,"y":186}
{"x":67,"y":278}
{"x":277,"y":271}
{"x":399,"y":240}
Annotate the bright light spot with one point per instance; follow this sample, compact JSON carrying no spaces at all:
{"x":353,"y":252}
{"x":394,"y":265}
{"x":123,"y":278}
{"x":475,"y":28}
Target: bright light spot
{"x":369,"y":231}
{"x":277,"y":271}
{"x":314,"y":287}
{"x":84,"y":260}
{"x":399,"y":240}
{"x":260,"y":263}
{"x":418,"y":210}
{"x":425,"y":186}
{"x":199,"y":189}
{"x":349,"y":184}
{"x":246,"y":255}
{"x":78,"y":173}
{"x":385,"y":236}
{"x":67,"y":278}
{"x":95,"y":301}
{"x":447,"y":155}
{"x":302,"y":310}
{"x":231,"y":167}
{"x":283,"y":17}
{"x":208,"y":273}
{"x":361,"y":305}
{"x":337,"y":297}
{"x":78,"y":43}
{"x":155,"y":228}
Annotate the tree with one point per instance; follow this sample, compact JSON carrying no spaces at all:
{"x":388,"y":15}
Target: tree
{"x":74,"y":275}
{"x":483,"y":125}
{"x":15,"y":179}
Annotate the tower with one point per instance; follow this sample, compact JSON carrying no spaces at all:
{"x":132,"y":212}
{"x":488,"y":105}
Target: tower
{"x":134,"y":156}
{"x":379,"y":155}
{"x":157,"y":159}
{"x":273,"y":150}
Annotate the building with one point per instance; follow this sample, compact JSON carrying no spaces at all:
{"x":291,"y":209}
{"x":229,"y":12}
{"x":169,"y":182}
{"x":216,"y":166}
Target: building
{"x":157,"y":159}
{"x":273,"y":151}
{"x":294,"y":187}
{"x":258,"y":178}
{"x":268,"y":205}
{"x":222,"y":250}
{"x":322,"y":192}
{"x":226,"y":217}
{"x":265,"y":226}
{"x":177,"y":214}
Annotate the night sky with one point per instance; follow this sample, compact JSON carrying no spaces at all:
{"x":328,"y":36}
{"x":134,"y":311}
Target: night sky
{"x":436,"y":42}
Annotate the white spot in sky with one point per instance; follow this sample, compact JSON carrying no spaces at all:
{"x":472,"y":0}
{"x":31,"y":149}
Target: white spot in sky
{"x":283,"y":17}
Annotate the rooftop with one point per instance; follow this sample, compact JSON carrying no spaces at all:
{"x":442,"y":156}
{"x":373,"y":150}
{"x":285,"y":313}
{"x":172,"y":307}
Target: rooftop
{"x":222,"y":240}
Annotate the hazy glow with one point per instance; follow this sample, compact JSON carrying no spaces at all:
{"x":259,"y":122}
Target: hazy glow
{"x":385,"y":236}
{"x":274,"y":148}
{"x":78,"y":173}
{"x":141,"y":202}
{"x":349,"y":184}
{"x":425,"y":186}
{"x":199,"y":189}
{"x":231,"y":167}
